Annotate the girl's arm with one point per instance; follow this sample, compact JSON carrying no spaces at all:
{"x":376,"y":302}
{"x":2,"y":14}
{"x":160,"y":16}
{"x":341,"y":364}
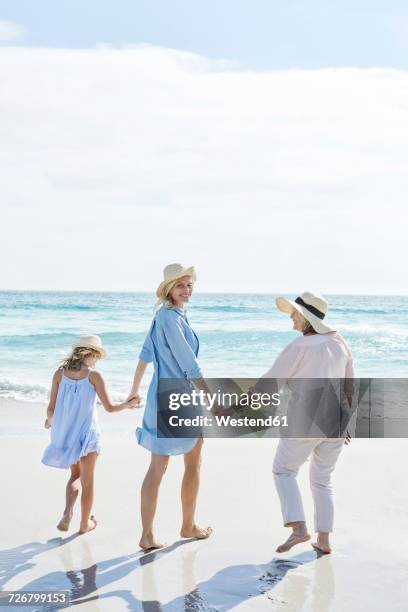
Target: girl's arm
{"x":137,"y":379}
{"x":98,"y":382}
{"x":56,"y":379}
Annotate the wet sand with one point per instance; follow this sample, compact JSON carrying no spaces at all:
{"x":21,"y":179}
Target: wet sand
{"x":237,"y":568}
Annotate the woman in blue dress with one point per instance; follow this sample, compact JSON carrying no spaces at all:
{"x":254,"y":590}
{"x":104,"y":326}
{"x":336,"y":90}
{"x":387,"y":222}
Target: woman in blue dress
{"x":172,"y":346}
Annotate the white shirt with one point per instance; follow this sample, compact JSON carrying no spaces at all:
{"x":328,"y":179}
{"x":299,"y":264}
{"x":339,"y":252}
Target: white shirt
{"x":314,"y":407}
{"x":316,"y":356}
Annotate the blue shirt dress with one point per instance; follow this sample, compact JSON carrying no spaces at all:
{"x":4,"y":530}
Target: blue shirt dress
{"x":172,"y":346}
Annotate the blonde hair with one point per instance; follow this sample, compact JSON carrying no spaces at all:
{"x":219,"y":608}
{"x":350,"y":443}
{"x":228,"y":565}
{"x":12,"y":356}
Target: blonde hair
{"x":166,"y":298}
{"x":76,"y":359}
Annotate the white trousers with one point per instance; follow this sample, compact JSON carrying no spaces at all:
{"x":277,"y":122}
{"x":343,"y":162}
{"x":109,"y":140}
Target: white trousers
{"x":290,"y":455}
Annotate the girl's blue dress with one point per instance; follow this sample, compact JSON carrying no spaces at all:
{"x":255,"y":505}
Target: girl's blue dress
{"x":74,"y":426}
{"x":172,"y":346}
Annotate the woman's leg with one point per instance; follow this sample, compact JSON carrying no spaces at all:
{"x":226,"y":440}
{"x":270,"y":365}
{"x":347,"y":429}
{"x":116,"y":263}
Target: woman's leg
{"x":189,"y":492}
{"x":322,"y":464}
{"x":290,"y":455}
{"x":149,"y":495}
{"x":87,"y":463}
{"x":71,"y":494}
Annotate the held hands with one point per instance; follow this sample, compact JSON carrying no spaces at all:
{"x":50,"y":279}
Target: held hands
{"x":347,"y":439}
{"x":218,"y":410}
{"x":133,"y":401}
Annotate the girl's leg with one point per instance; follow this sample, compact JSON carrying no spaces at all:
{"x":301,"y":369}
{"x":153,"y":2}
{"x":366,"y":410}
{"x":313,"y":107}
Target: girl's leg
{"x":71,"y":494}
{"x":189,"y":493}
{"x":149,"y":495}
{"x":88,"y":463}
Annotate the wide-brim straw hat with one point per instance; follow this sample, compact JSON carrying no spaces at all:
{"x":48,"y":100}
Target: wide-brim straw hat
{"x":92,"y":342}
{"x":171,"y":273}
{"x":312,"y":306}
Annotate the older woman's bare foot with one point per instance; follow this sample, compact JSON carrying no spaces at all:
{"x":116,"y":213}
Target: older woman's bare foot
{"x":200,"y":533}
{"x":149,"y":542}
{"x":322,"y":545}
{"x":293,"y":539}
{"x":319,"y":549}
{"x":92,"y":523}
{"x":65,"y":522}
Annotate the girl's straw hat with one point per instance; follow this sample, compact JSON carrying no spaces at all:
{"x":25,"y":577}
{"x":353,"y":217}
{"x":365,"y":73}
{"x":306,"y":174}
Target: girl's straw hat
{"x":312,"y":306}
{"x":92,"y":342}
{"x":171,"y":273}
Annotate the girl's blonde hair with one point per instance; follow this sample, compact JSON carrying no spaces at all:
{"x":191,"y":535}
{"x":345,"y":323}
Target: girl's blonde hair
{"x":76,"y":359}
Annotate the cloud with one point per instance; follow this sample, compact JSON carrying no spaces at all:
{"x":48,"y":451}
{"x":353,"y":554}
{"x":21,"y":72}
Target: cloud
{"x":130,"y":158}
{"x":9,"y":30}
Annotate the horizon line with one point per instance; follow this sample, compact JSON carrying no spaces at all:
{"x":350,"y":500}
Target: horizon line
{"x":130,"y":292}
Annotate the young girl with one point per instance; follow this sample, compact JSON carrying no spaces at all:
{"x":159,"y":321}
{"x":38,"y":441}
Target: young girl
{"x":72,"y":417}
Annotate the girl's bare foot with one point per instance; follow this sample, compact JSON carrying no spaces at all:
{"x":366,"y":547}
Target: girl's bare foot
{"x":65,"y":522}
{"x":149,"y":542}
{"x":201,"y":533}
{"x":92,"y":523}
{"x":293,"y":539}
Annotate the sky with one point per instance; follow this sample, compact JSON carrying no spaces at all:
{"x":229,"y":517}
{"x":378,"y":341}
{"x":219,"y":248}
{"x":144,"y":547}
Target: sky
{"x":263,"y":142}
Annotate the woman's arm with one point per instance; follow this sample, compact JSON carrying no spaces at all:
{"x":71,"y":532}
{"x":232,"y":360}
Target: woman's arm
{"x":137,"y":379}
{"x":56,"y":379}
{"x":98,"y":382}
{"x":145,"y":357}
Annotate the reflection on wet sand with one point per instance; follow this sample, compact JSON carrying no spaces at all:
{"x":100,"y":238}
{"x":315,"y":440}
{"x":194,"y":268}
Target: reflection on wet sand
{"x":316,"y":589}
{"x":226,"y":589}
{"x":83,"y":581}
{"x":14,"y":561}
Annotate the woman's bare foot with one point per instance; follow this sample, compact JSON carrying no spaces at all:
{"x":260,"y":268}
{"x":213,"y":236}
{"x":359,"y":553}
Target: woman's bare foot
{"x":200,"y":533}
{"x":92,"y":523}
{"x":149,"y":542}
{"x":319,"y":549}
{"x":293,"y":539}
{"x":322,"y":545}
{"x":65,"y":522}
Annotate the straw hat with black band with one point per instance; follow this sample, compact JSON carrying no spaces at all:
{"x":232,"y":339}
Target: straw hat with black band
{"x":312,"y":306}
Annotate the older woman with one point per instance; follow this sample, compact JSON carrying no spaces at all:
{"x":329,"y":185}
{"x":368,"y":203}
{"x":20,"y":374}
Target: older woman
{"x":172,"y":346}
{"x":320,"y":352}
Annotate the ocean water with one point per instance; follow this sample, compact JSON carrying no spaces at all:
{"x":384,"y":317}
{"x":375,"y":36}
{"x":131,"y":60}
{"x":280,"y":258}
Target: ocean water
{"x":240,"y":334}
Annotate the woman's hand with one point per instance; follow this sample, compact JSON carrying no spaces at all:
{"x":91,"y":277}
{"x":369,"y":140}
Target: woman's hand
{"x":216,"y":410}
{"x":134,"y":400}
{"x":47,"y":423}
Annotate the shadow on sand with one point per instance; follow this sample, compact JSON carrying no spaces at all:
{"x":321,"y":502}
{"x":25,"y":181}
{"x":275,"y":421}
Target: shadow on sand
{"x":226,"y":589}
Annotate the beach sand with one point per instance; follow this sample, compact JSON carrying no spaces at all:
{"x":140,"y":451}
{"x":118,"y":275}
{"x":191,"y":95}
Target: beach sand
{"x":237,"y":567}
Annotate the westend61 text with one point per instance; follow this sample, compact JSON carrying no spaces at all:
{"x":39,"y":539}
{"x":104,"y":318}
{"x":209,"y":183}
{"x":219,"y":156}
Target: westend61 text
{"x":228,"y":421}
{"x":209,"y":400}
